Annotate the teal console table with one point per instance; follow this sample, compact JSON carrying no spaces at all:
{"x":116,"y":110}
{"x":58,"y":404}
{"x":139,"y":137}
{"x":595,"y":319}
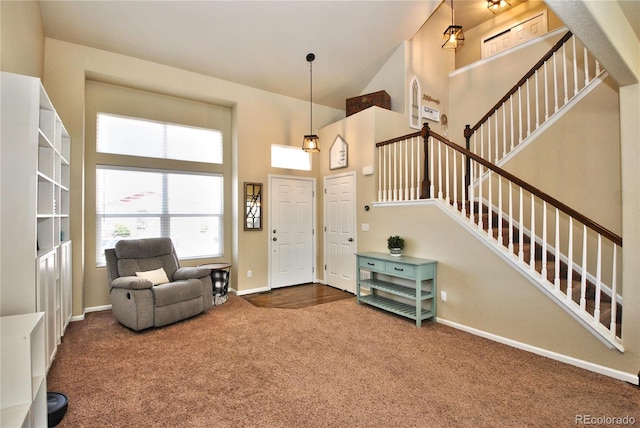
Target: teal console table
{"x":411,"y":279}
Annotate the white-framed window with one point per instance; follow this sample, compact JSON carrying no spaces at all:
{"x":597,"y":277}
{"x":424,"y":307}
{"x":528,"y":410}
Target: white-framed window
{"x":146,"y":138}
{"x":290,"y":157}
{"x":141,"y":202}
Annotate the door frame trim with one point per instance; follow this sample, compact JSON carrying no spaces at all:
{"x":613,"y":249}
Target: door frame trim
{"x":324,"y":216}
{"x":314,"y":235}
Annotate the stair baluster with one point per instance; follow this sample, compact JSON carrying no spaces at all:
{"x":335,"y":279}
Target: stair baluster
{"x":447,"y":166}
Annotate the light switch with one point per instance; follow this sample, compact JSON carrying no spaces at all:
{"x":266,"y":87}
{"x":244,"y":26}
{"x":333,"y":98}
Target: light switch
{"x":367,"y":170}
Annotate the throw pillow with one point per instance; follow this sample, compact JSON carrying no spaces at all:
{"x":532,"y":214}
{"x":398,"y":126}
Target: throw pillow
{"x":158,"y":276}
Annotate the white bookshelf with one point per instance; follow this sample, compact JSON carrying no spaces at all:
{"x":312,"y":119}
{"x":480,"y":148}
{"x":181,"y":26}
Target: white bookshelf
{"x":23,"y":369}
{"x":35,"y":211}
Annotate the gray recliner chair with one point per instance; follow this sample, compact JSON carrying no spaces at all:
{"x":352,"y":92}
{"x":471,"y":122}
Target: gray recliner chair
{"x":142,"y":297}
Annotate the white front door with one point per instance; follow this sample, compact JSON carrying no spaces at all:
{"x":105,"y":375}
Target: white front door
{"x":291,"y":232}
{"x":339,"y":219}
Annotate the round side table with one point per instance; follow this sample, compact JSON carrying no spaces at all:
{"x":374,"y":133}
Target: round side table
{"x":220,"y":278}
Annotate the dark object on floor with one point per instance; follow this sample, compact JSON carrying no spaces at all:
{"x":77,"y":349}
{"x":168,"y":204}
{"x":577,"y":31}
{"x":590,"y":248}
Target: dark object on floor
{"x":56,"y":407}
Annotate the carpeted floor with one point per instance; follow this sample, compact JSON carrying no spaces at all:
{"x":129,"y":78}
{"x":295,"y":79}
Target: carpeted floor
{"x":331,"y":365}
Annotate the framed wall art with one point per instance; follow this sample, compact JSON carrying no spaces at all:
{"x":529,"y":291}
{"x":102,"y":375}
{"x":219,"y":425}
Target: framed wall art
{"x":339,"y":153}
{"x":253,"y":206}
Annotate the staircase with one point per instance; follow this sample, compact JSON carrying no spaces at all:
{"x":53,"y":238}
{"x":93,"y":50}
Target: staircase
{"x":528,"y":227}
{"x":561,"y":78}
{"x":545,"y":265}
{"x":571,"y":258}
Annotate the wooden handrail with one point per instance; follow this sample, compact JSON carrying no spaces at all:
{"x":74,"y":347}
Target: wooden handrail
{"x":404,"y":137}
{"x":531,"y":189}
{"x":521,"y":82}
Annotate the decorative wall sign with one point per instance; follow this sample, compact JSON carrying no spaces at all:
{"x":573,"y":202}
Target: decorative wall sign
{"x":339,"y":153}
{"x":430,"y":113}
{"x":430,"y":98}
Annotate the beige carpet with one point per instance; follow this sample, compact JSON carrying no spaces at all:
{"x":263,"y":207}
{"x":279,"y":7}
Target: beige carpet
{"x":331,"y":365}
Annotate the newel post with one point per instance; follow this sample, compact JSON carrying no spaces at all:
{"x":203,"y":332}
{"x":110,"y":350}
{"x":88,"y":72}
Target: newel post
{"x":468,"y":132}
{"x":426,"y":184}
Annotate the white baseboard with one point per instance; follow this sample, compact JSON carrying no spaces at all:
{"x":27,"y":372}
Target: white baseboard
{"x":592,"y":367}
{"x":251,"y":291}
{"x":90,"y":309}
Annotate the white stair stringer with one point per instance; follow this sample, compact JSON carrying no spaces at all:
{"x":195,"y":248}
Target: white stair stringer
{"x":590,"y":323}
{"x":554,"y":117}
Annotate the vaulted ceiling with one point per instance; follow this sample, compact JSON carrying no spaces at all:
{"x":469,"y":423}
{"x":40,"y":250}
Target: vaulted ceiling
{"x":261,"y":43}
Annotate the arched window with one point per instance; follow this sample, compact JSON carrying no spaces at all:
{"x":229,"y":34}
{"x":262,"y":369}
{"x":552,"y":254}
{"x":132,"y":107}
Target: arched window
{"x":414,"y":103}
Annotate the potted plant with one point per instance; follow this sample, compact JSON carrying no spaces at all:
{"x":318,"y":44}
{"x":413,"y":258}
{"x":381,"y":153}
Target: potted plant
{"x":395,"y":245}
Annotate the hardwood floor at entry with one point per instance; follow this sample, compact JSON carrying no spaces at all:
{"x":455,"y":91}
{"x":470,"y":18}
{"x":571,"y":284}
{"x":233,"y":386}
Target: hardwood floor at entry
{"x":297,"y":296}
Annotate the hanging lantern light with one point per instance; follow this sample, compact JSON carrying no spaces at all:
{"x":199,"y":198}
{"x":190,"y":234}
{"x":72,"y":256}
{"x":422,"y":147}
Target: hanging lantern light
{"x":453,"y":37}
{"x":311,"y":142}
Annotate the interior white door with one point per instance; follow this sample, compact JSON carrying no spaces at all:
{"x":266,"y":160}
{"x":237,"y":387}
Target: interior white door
{"x":339,"y":247}
{"x":291,"y":231}
{"x":524,"y":31}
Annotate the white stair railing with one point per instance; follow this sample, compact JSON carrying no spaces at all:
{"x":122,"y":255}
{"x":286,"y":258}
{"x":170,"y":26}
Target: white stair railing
{"x":556,"y":80}
{"x":399,"y":166}
{"x":572,"y":258}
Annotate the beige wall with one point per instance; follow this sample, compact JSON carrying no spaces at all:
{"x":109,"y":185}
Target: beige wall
{"x":259,"y":119}
{"x":390,"y":78}
{"x":483,"y":291}
{"x":577,"y":160}
{"x":578,"y":156}
{"x":361,"y":131}
{"x":22,"y":41}
{"x":432,"y":65}
{"x":472,"y":49}
{"x":119,"y":100}
{"x":604,"y":29}
{"x":476,"y":88}
{"x":470,"y":274}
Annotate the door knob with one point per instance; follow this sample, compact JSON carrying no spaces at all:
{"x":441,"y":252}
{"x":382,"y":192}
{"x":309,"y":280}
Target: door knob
{"x":350,"y":239}
{"x":275,"y":239}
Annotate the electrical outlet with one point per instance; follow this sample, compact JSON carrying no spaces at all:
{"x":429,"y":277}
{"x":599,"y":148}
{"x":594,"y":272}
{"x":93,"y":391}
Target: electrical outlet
{"x":443,"y":296}
{"x":249,"y":273}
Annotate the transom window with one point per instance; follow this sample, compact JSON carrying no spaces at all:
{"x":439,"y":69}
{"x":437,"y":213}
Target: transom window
{"x":290,"y":157}
{"x":137,"y":137}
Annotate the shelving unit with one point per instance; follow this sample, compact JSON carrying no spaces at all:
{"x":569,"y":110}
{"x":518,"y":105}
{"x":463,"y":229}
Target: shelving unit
{"x":35,"y":222}
{"x":23,"y":380}
{"x":53,"y":177}
{"x":402,"y":285}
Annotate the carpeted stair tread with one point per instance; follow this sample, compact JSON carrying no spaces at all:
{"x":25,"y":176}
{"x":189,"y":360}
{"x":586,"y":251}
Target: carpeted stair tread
{"x":504,"y":227}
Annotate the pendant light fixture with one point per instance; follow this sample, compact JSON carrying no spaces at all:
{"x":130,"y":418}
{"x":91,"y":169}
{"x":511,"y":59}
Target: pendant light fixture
{"x":311,"y":142}
{"x":496,"y":6}
{"x":453,"y":37}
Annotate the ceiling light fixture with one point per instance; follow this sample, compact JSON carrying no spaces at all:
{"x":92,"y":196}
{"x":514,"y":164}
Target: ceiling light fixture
{"x":453,"y":37}
{"x":311,"y":142}
{"x":496,"y":6}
